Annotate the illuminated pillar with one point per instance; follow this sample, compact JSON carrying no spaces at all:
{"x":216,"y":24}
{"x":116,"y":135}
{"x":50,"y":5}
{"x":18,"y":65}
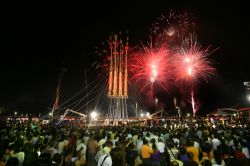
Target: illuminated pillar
{"x":115,"y":67}
{"x":120,"y":89}
{"x":126,"y":70}
{"x":110,"y":66}
{"x":118,"y":78}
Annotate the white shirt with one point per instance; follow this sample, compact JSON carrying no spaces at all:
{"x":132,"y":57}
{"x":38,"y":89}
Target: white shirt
{"x":176,"y":141}
{"x":129,"y":136}
{"x":134,"y":139}
{"x":20,"y":156}
{"x":160,"y":146}
{"x":107,"y":162}
{"x":34,"y":140}
{"x":196,"y":144}
{"x":199,"y":134}
{"x":246,"y":152}
{"x":155,"y":137}
{"x":60,"y":147}
{"x":83,"y":146}
{"x":98,"y":155}
{"x":215,"y":142}
{"x":139,"y":145}
{"x":101,"y":142}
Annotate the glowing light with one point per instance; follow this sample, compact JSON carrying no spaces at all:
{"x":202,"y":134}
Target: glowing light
{"x":156,"y":100}
{"x":153,"y":74}
{"x":248,"y":97}
{"x":93,"y":115}
{"x":147,"y":114}
{"x":15,"y":113}
{"x":187,"y":60}
{"x":142,"y":115}
{"x":50,"y":114}
{"x":189,"y":71}
{"x":193,"y":102}
{"x":171,"y":31}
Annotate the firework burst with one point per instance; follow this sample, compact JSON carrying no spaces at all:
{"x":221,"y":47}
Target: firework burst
{"x":192,"y":63}
{"x":151,"y":66}
{"x":171,"y":26}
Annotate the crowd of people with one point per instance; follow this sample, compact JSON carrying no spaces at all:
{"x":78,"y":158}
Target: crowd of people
{"x":33,"y":143}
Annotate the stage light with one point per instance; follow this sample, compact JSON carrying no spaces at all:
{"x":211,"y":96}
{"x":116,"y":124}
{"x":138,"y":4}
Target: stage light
{"x":93,"y":115}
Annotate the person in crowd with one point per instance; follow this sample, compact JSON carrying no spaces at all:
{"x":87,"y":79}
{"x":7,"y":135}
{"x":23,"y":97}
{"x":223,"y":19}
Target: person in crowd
{"x":245,"y":150}
{"x":183,"y":154}
{"x":118,"y":154}
{"x":91,"y":151}
{"x":215,"y":141}
{"x":132,"y":154}
{"x":173,"y":150}
{"x":146,"y":152}
{"x":156,"y":156}
{"x":105,"y":159}
{"x":81,"y":147}
{"x":217,"y":159}
{"x":191,"y":161}
{"x":193,"y":150}
{"x":31,"y":143}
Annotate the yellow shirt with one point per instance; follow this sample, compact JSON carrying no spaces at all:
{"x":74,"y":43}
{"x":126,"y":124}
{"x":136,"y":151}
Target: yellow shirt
{"x":195,"y":151}
{"x":146,"y":151}
{"x":113,"y":136}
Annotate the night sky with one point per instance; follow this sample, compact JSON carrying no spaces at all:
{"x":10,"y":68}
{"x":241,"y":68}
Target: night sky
{"x":37,"y":40}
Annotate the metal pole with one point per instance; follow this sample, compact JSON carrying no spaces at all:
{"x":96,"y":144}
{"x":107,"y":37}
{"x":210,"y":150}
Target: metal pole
{"x":86,"y":85}
{"x":136,"y":106}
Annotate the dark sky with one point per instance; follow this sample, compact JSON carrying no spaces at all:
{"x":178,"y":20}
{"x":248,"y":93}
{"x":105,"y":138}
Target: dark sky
{"x":35,"y":40}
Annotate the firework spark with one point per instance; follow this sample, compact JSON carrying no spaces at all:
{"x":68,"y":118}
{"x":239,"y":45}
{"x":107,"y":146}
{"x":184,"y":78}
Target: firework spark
{"x":150,"y":66}
{"x":172,"y":25}
{"x":192,"y":63}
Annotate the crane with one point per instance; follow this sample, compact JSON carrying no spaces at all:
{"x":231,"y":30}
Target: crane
{"x":70,"y":110}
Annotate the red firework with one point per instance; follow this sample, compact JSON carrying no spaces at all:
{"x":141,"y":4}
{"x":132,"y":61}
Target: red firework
{"x":192,"y":63}
{"x":150,"y":66}
{"x":172,"y":25}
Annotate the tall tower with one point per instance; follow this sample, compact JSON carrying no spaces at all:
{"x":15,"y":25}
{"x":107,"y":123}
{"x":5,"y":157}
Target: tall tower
{"x":118,"y":78}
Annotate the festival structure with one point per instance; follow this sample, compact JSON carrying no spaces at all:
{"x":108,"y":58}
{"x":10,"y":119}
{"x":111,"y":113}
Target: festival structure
{"x":118,"y":78}
{"x":56,"y":102}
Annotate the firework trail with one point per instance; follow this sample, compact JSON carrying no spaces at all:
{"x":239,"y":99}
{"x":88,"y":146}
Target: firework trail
{"x":150,"y":66}
{"x":193,"y":102}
